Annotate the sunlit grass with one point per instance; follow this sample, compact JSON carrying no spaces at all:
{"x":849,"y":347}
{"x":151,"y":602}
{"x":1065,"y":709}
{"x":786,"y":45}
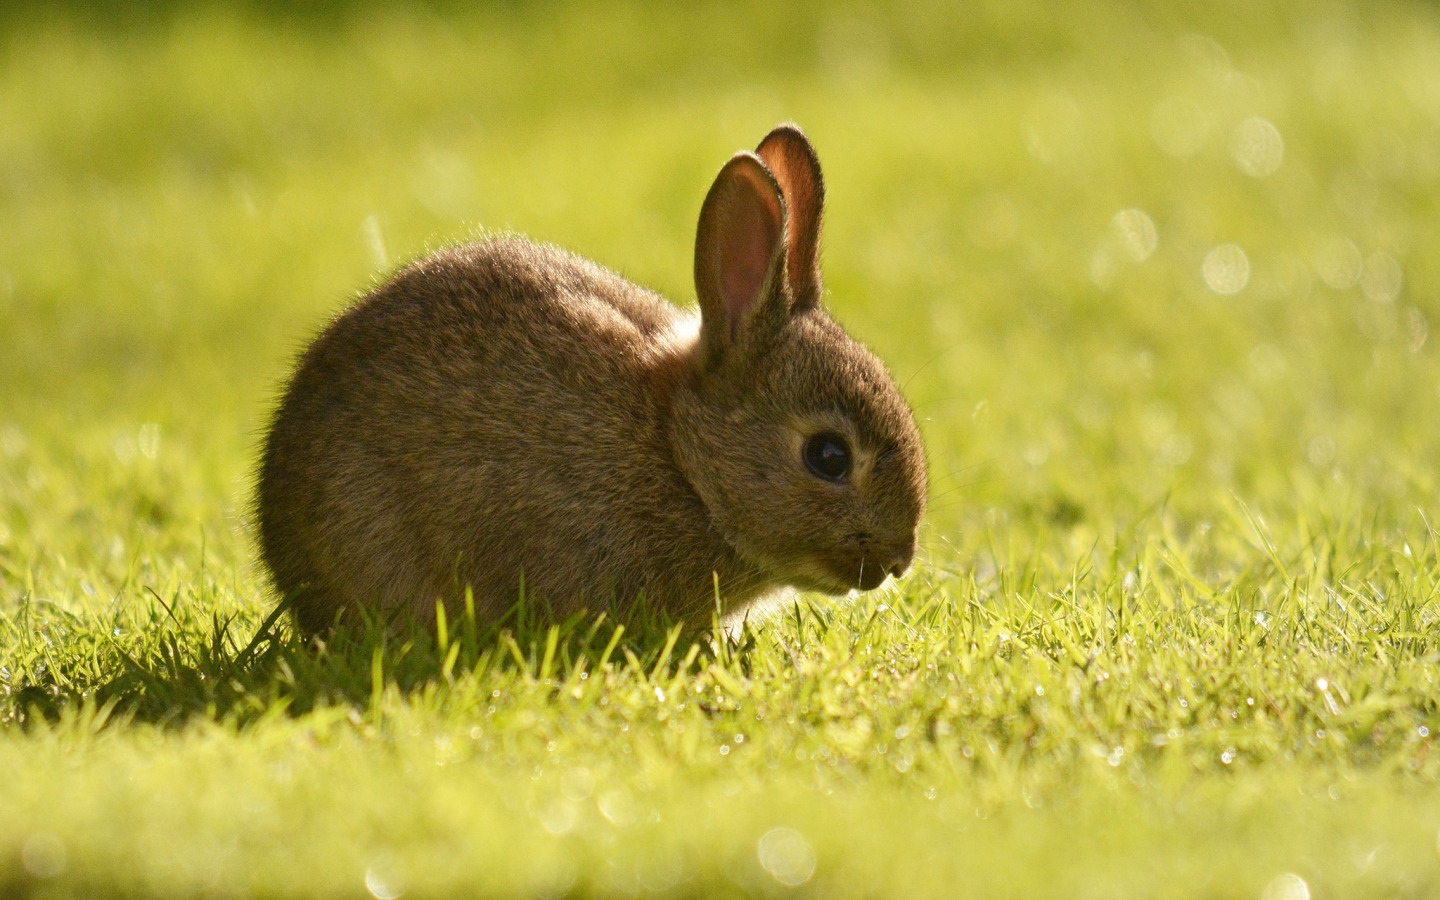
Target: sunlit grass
{"x":1173,"y":630}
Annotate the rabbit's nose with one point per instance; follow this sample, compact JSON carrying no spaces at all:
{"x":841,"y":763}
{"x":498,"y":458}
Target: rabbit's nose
{"x":892,"y":560}
{"x":899,"y":559}
{"x":899,"y":565}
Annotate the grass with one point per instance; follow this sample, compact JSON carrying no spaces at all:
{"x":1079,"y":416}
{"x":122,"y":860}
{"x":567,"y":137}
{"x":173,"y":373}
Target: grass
{"x":1174,"y":629}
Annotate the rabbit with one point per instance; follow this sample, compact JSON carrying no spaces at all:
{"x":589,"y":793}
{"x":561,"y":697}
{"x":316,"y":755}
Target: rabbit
{"x":504,"y":416}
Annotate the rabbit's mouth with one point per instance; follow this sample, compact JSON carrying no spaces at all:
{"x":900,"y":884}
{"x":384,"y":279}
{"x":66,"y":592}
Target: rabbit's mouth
{"x":841,"y":573}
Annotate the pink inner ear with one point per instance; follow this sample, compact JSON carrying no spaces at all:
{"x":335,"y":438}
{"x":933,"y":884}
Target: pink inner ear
{"x":750,"y":236}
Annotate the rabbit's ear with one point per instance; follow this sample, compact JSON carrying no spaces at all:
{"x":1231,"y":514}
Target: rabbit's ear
{"x":739,"y":258}
{"x":789,"y":155}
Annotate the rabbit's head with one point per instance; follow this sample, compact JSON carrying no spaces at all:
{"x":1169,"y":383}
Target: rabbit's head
{"x":792,"y":433}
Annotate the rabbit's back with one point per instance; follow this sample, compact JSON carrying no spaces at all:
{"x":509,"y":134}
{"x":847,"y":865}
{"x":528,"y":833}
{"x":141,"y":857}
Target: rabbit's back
{"x":494,"y":411}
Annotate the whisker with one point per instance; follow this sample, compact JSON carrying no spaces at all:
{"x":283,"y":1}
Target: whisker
{"x":928,"y":363}
{"x":951,"y":473}
{"x":957,"y":398}
{"x":968,"y":484}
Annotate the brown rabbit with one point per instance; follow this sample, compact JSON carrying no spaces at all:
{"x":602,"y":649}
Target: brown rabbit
{"x":505,"y":411}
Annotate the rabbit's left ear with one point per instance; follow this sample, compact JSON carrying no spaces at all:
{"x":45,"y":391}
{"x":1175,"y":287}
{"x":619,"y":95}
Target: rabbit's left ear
{"x":740,"y":258}
{"x":790,"y":157}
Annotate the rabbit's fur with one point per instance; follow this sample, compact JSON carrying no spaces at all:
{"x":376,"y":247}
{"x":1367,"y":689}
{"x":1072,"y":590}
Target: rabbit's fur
{"x":505,"y":410}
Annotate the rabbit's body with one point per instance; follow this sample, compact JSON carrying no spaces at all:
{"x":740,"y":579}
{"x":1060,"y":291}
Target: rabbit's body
{"x":454,"y":450}
{"x":505,"y":413}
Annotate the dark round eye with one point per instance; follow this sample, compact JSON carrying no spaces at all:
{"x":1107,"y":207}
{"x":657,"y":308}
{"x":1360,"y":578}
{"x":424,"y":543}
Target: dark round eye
{"x":827,"y":456}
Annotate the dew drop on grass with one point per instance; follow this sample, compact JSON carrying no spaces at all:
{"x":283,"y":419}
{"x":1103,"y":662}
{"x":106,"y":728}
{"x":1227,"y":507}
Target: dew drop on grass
{"x":1226,"y":269}
{"x":787,"y":856}
{"x":1257,"y":148}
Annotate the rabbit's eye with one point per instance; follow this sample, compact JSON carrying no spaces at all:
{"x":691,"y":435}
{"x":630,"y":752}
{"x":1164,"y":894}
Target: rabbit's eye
{"x":827,"y":457}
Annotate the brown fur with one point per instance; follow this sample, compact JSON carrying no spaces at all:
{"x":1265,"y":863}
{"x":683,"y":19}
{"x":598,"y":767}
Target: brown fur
{"x":505,"y":409}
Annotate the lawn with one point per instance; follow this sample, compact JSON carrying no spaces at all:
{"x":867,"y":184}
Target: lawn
{"x":1156,"y":277}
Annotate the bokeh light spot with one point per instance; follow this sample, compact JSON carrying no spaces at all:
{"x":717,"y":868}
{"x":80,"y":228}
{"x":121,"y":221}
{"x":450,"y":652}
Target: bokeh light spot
{"x":1380,"y":279}
{"x":558,"y":816}
{"x":577,"y":783}
{"x":384,"y":881}
{"x":43,"y":855}
{"x":787,"y":856}
{"x":1417,"y":330}
{"x":1102,"y":268}
{"x":1286,"y":887}
{"x":149,"y":440}
{"x":618,"y":807}
{"x":1226,"y":269}
{"x":1135,"y":232}
{"x":1338,"y":263}
{"x":1054,"y":129}
{"x":1257,"y":148}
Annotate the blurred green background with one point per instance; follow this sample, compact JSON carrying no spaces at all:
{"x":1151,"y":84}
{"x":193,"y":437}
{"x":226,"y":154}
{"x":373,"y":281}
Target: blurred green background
{"x":188,"y":192}
{"x":1154,"y":275}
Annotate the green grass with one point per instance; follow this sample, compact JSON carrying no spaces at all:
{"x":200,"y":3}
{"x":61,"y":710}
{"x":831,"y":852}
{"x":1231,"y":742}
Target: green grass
{"x":1174,"y":629}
